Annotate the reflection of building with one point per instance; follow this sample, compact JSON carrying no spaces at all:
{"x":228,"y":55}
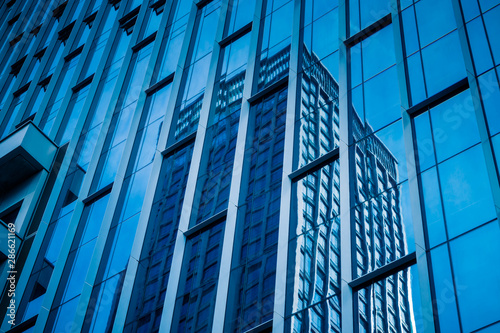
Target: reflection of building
{"x":192,"y":166}
{"x":379,"y":229}
{"x":380,"y":234}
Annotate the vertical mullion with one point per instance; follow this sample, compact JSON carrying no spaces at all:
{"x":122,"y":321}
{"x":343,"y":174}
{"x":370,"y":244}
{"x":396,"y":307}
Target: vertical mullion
{"x":51,"y":204}
{"x":14,"y":31}
{"x":293,"y":99}
{"x":222,"y":304}
{"x":85,"y":188}
{"x":346,"y":159}
{"x":132,"y":266}
{"x":177,"y":93}
{"x":4,"y":116}
{"x":57,"y":72}
{"x":114,"y":196}
{"x":79,"y":68}
{"x":43,"y":62}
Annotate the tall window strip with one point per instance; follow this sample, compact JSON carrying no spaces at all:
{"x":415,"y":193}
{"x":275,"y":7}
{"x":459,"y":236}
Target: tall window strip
{"x":121,"y":235}
{"x":254,"y":258}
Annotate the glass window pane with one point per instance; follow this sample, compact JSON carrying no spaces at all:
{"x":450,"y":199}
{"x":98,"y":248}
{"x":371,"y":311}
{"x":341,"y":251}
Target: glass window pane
{"x":443,"y":63}
{"x":444,"y":289}
{"x":256,"y":236}
{"x":432,"y":207}
{"x":467,"y":199}
{"x":454,"y":126}
{"x":386,"y":229}
{"x":365,"y":12}
{"x":392,"y":304}
{"x":435,"y":19}
{"x":476,"y":267}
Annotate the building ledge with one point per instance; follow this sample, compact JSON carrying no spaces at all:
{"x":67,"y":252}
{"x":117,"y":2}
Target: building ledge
{"x":24,"y":153}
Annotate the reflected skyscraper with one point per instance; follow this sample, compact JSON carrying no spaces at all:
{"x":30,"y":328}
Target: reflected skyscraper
{"x":249,"y":166}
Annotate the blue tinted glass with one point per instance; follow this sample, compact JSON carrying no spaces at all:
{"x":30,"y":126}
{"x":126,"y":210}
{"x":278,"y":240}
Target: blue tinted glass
{"x":358,"y":106}
{"x":325,"y":34}
{"x":490,"y":96}
{"x":198,"y":277}
{"x":241,"y":13}
{"x":476,"y":266}
{"x":366,"y":12}
{"x":107,"y":302}
{"x":410,"y":31}
{"x":160,"y":239}
{"x":56,"y":242}
{"x":318,"y":228}
{"x":275,"y":48}
{"x":454,"y":126}
{"x":356,"y":71}
{"x":121,"y":239}
{"x":78,"y":271}
{"x":72,"y":115}
{"x":491,"y":329}
{"x":65,"y":314}
{"x":416,"y":76}
{"x":445,"y":298}
{"x":391,"y":140}
{"x":443,"y":63}
{"x":435,"y":19}
{"x":378,"y":52}
{"x":496,"y":147}
{"x":319,"y":121}
{"x":466,"y":191}
{"x":382,"y":305}
{"x":256,"y":235}
{"x":384,"y":228}
{"x":317,"y":8}
{"x":470,"y":9}
{"x":431,"y":196}
{"x":92,"y":222}
{"x":382,"y":104}
{"x":479,"y":46}
{"x":324,"y":317}
{"x":492,"y":24}
{"x":425,"y":144}
{"x":487,"y":4}
{"x":215,"y":178}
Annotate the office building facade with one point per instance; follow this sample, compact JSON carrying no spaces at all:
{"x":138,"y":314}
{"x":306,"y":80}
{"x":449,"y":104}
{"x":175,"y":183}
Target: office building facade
{"x":250,"y":166}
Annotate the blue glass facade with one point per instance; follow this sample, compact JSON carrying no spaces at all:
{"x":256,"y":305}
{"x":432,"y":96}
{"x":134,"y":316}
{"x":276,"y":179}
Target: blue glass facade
{"x":250,"y":166}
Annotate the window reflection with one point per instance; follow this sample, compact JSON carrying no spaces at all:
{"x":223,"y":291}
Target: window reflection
{"x":122,"y":120}
{"x":123,"y":227}
{"x":78,"y":262}
{"x":195,"y":303}
{"x":319,"y":112}
{"x":254,"y":267}
{"x":56,"y":99}
{"x":188,"y":107}
{"x":392,"y":304}
{"x":274,"y":55}
{"x":433,"y":52}
{"x":172,"y":42}
{"x":374,"y":86}
{"x":321,"y":317}
{"x":314,"y":249}
{"x":241,"y":12}
{"x":72,"y":115}
{"x":150,"y":285}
